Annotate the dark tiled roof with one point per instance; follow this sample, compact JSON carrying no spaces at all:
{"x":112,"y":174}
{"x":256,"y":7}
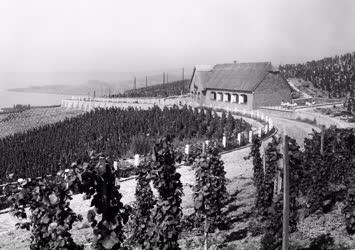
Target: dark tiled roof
{"x":236,"y":76}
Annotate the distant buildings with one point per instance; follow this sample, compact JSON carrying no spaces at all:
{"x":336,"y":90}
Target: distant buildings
{"x":244,"y":85}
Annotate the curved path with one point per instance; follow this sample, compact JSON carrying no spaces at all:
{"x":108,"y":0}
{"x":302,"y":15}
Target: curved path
{"x":295,"y":129}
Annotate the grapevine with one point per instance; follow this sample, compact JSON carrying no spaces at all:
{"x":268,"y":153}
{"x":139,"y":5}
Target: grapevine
{"x":145,"y":203}
{"x":165,"y":224}
{"x":258,"y":170}
{"x":210,"y":193}
{"x":51,"y":218}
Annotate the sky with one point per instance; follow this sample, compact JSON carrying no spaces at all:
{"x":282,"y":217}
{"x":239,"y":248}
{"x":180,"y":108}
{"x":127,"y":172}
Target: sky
{"x":131,"y":35}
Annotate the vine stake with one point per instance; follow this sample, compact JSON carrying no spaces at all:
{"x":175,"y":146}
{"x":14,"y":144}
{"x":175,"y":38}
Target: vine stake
{"x":286,"y":206}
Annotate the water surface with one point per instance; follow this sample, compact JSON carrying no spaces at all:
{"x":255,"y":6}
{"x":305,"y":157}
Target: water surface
{"x":10,"y":98}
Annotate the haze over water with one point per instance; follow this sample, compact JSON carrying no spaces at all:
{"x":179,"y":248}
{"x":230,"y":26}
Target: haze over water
{"x":9,"y":98}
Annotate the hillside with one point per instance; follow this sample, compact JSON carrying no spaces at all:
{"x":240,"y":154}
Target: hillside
{"x":246,"y":228}
{"x":333,"y":75}
{"x":20,"y":122}
{"x":307,"y":88}
{"x":160,"y":90}
{"x":103,"y":83}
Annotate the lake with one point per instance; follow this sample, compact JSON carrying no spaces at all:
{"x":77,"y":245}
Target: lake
{"x":9,"y":98}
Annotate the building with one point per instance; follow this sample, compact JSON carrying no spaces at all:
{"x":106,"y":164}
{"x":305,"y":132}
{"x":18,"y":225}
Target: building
{"x":244,"y":85}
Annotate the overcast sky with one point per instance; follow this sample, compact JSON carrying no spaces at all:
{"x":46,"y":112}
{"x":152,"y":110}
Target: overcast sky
{"x":129,"y":35}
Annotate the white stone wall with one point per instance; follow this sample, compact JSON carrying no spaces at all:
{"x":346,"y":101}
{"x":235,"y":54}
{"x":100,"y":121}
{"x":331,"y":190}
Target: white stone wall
{"x":87,"y":104}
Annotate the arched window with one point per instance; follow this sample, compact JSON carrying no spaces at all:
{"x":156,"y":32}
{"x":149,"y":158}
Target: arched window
{"x":213,"y":96}
{"x":227,"y":97}
{"x":219,"y":96}
{"x":235,"y":98}
{"x":243,"y":99}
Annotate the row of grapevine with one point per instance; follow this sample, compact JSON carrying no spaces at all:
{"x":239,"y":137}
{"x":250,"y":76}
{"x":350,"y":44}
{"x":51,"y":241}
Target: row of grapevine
{"x":318,"y":174}
{"x":160,"y":90}
{"x":333,"y":74}
{"x":156,"y":220}
{"x":115,"y":132}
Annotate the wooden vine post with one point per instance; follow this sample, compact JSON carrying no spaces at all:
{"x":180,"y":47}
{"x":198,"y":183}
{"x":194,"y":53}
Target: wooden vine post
{"x":322,"y":140}
{"x":286,"y":196}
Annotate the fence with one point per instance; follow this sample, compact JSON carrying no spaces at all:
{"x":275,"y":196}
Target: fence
{"x":243,"y":138}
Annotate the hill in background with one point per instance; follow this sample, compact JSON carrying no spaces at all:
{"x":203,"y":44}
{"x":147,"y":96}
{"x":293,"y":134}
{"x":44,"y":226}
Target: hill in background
{"x":103,"y":83}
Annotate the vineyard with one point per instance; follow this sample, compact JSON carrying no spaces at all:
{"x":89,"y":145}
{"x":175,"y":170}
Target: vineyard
{"x":115,"y":132}
{"x":321,"y":179}
{"x":336,"y":75}
{"x":317,"y":190}
{"x":159,"y":90}
{"x":32,"y":118}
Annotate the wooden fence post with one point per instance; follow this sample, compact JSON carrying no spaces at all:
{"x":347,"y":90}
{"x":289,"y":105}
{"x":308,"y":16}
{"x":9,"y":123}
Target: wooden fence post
{"x":286,"y":196}
{"x":260,"y":132}
{"x":239,"y":138}
{"x":187,"y":151}
{"x":322,"y":140}
{"x":224,"y":141}
{"x":264,"y":160}
{"x":136,"y":160}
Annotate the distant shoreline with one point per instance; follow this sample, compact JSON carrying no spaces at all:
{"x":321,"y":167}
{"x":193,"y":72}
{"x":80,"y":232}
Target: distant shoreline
{"x":42,"y":91}
{"x":2,"y":112}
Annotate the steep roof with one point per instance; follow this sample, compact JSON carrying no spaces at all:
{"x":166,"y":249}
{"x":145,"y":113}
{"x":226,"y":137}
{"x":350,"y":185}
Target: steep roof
{"x":236,"y":76}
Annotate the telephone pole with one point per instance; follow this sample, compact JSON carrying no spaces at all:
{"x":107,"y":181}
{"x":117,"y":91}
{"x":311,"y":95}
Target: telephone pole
{"x":163,"y":77}
{"x":183,"y":75}
{"x":146,"y":81}
{"x":167,"y":78}
{"x":135,"y":83}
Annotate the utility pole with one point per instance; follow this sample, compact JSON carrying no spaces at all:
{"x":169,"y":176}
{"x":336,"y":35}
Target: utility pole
{"x":163,"y":77}
{"x":286,"y":194}
{"x":135,"y":83}
{"x":183,"y":75}
{"x":146,"y":81}
{"x":167,"y":78}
